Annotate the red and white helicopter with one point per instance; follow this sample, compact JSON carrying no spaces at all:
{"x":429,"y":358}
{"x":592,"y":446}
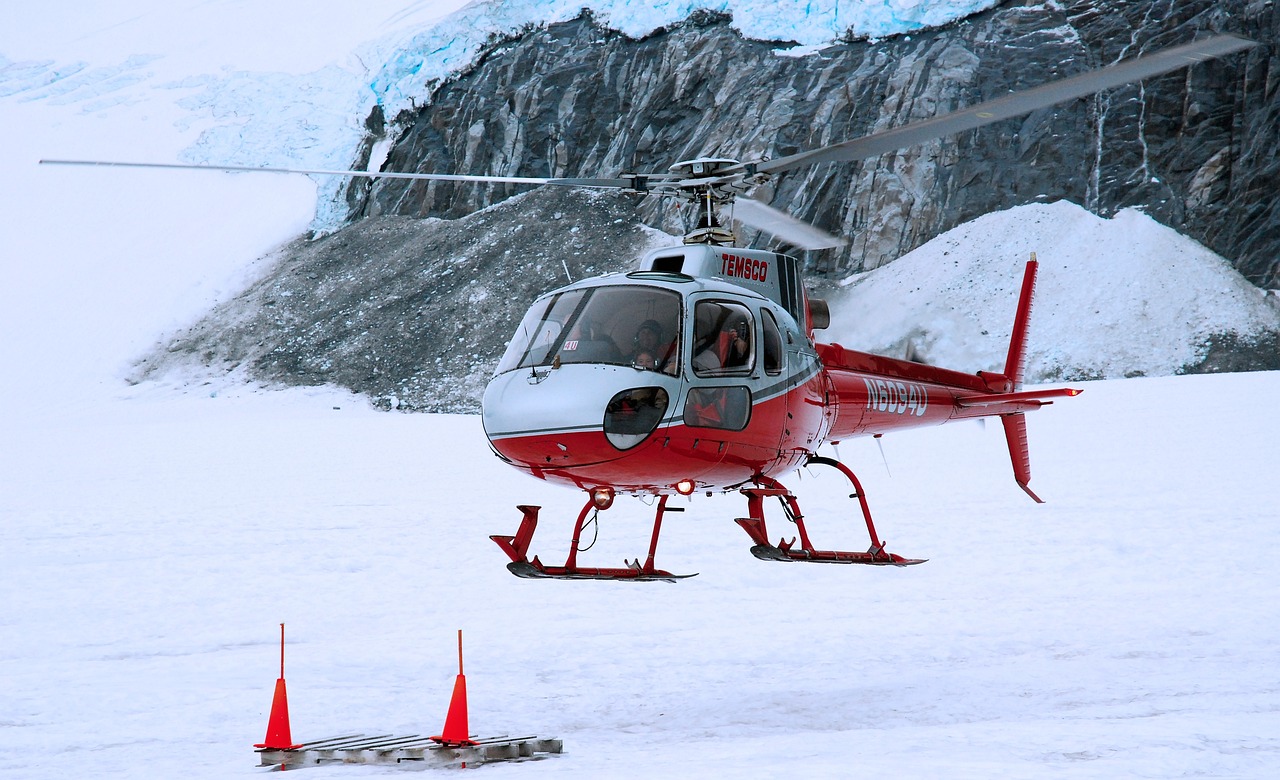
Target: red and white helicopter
{"x":701,"y":371}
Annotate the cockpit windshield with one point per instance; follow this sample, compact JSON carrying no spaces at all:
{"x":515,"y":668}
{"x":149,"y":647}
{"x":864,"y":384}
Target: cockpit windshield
{"x":627,"y":325}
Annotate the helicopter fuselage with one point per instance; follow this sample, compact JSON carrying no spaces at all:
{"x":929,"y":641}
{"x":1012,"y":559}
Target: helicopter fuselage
{"x":658,"y":378}
{"x":697,"y":372}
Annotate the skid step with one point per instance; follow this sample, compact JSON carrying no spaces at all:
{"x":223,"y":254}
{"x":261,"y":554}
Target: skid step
{"x":390,"y":749}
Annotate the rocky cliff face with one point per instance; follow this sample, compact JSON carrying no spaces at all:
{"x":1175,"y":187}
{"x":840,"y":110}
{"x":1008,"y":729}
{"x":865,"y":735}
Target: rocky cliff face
{"x":1196,"y":149}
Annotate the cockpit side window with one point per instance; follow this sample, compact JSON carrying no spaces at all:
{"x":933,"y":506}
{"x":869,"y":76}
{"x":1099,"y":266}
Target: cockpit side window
{"x":723,"y":339}
{"x":772,"y":343}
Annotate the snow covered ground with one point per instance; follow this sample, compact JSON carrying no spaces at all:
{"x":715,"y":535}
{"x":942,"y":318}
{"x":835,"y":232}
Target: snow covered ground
{"x":151,"y":539}
{"x":1125,"y":629}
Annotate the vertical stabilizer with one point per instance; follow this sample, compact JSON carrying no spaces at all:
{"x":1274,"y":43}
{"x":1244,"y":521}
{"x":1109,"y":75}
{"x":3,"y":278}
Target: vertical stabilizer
{"x":1015,"y":363}
{"x":1015,"y":425}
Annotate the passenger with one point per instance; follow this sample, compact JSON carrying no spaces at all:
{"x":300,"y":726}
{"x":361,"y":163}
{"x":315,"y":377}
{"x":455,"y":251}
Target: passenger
{"x":730,"y":349}
{"x":738,"y":348}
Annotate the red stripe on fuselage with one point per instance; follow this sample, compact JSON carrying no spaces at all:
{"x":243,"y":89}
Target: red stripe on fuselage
{"x":713,"y":458}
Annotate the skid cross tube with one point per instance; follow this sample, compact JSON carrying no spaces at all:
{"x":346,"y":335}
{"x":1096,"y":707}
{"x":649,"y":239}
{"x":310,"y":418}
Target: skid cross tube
{"x":517,"y":549}
{"x":858,"y":493}
{"x":754,"y":525}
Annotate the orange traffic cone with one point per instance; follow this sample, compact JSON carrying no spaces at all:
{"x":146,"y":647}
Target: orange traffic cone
{"x":278,"y":736}
{"x":456,"y":730}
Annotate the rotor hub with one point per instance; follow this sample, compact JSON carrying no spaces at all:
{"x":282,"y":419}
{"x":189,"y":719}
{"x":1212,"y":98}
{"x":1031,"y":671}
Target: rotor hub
{"x":702,"y":166}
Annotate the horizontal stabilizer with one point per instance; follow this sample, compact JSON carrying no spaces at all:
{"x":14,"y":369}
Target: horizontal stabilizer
{"x":1012,"y":398}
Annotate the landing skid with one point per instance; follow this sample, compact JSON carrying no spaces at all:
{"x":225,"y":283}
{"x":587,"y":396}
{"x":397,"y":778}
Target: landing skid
{"x":872,"y":557}
{"x":517,"y":549}
{"x":534,"y":570}
{"x":806,"y":553}
{"x":783,"y":552}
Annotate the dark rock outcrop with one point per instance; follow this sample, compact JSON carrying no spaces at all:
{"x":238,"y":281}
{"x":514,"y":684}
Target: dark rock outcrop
{"x":1231,"y":352}
{"x":1196,"y":149}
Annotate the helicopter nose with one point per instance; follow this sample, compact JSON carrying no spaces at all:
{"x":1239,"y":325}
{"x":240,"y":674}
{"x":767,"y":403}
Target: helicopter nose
{"x":571,"y":416}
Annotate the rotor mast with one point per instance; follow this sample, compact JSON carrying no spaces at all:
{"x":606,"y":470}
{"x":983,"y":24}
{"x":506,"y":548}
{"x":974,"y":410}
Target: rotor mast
{"x":709,"y":193}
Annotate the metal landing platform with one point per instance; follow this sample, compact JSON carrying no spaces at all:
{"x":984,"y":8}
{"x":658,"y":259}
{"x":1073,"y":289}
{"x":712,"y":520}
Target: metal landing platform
{"x":413,"y":748}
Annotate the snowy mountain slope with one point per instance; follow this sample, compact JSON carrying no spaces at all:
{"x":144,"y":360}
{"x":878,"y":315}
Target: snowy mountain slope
{"x":1115,"y":297}
{"x":410,"y":313}
{"x":83,"y":247}
{"x":163,"y":236}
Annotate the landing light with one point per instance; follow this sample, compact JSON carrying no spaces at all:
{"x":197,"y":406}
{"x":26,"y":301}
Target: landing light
{"x":685,"y":487}
{"x":602,"y":497}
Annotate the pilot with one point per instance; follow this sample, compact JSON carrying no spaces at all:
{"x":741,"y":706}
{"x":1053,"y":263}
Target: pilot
{"x":646,"y":340}
{"x":649,"y":350}
{"x":647,"y":336}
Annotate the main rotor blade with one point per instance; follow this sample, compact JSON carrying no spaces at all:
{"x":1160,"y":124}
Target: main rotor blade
{"x":628,"y":183}
{"x":1012,"y":105}
{"x":764,"y":217}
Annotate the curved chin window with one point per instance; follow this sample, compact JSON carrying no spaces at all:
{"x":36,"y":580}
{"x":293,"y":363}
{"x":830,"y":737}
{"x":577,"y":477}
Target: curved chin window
{"x":633,"y":414}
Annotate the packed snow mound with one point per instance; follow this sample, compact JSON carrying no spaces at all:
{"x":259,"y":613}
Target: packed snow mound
{"x":1117,"y":297}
